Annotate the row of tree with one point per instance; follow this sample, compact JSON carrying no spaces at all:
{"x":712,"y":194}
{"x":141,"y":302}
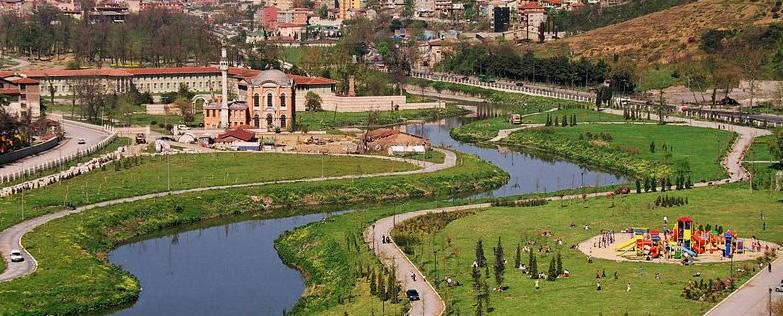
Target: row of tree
{"x":153,"y":37}
{"x":503,"y":60}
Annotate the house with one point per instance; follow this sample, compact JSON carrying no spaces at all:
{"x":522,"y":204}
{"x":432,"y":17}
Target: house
{"x":236,"y":135}
{"x":23,"y":94}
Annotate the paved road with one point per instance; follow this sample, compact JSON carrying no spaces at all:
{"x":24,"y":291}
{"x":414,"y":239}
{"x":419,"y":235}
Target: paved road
{"x":11,"y":238}
{"x":92,"y":136}
{"x":432,"y":304}
{"x":752,"y":298}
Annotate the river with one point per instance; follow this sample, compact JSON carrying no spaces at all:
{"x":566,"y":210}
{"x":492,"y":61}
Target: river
{"x":233,"y":269}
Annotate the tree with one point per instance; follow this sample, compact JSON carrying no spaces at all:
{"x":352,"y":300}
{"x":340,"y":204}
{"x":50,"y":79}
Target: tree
{"x":776,"y":147}
{"x":500,"y":265}
{"x":559,"y":269}
{"x":185,"y":109}
{"x":518,"y":257}
{"x":481,"y":260}
{"x":312,"y":101}
{"x":533,"y":265}
{"x":552,"y":273}
{"x":373,"y":286}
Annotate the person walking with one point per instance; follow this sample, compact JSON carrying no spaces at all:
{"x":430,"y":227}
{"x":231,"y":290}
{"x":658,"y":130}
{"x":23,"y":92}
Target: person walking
{"x":598,"y":286}
{"x":413,"y":276}
{"x":628,"y":287}
{"x":536,"y":284}
{"x":665,"y":220}
{"x":769,"y":266}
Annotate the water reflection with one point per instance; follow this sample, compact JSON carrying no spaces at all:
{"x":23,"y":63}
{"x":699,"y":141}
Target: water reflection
{"x":232,"y":269}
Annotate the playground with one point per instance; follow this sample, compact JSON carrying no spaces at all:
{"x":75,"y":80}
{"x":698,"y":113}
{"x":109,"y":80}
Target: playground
{"x":682,"y":242}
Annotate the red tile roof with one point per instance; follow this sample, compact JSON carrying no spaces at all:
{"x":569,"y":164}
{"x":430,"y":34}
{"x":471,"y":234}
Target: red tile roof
{"x":530,"y":6}
{"x":311,"y":80}
{"x":173,"y":70}
{"x":25,"y":81}
{"x":238,"y":134}
{"x":9,"y":90}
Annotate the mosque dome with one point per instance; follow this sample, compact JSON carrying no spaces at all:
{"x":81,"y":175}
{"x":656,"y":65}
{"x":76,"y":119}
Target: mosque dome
{"x":274,"y":76}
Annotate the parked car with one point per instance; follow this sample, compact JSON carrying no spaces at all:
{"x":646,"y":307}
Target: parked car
{"x":520,"y":83}
{"x":515,"y":119}
{"x":16,"y":255}
{"x":412,"y":295}
{"x":81,"y":141}
{"x":779,"y":288}
{"x":141,"y":139}
{"x":183,"y":127}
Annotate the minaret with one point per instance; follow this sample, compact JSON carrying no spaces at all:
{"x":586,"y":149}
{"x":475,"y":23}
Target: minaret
{"x":224,"y":97}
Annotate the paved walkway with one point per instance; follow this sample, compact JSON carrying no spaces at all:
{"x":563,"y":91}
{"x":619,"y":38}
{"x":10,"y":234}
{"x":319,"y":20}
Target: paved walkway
{"x":432,"y":304}
{"x":11,"y":238}
{"x":752,"y":298}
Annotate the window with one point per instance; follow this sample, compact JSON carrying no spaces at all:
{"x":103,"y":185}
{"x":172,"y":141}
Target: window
{"x":282,"y":121}
{"x":269,"y":123}
{"x":256,"y":101}
{"x":282,"y":100}
{"x":269,"y":100}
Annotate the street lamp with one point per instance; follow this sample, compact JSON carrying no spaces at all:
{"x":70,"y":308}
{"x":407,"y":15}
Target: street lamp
{"x":435,"y":254}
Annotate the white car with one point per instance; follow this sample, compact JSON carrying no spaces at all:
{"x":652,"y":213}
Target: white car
{"x":81,"y":141}
{"x":16,"y":255}
{"x":183,"y":127}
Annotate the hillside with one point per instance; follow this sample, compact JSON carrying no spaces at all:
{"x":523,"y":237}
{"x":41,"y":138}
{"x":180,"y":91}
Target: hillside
{"x":668,"y":35}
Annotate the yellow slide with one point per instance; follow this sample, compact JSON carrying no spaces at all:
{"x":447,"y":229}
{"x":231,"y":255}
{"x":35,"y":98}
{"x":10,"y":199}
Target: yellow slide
{"x":627,"y":245}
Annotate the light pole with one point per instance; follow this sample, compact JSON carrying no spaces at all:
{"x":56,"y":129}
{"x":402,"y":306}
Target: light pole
{"x":435,"y":254}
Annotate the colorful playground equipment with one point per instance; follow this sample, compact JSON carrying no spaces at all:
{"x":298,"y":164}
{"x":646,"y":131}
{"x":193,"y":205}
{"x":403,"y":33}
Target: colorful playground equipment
{"x":683,"y":241}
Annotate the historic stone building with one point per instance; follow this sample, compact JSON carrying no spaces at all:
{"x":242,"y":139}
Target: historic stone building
{"x":23,"y":95}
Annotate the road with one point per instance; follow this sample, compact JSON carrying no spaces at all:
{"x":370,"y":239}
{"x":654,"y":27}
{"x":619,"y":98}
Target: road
{"x":92,"y":136}
{"x":432,"y":304}
{"x":752,"y":298}
{"x":11,"y":238}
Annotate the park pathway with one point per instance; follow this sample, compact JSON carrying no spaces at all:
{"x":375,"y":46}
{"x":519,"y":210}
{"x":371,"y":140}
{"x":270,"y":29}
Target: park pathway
{"x":431,"y":304}
{"x":11,"y":238}
{"x":753,"y":297}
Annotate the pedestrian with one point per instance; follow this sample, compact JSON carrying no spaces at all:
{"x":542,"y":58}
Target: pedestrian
{"x":536,"y":284}
{"x":413,"y":276}
{"x":598,"y":286}
{"x":628,"y":287}
{"x":665,"y":220}
{"x":769,"y":266}
{"x":603,"y":273}
{"x":615,"y":275}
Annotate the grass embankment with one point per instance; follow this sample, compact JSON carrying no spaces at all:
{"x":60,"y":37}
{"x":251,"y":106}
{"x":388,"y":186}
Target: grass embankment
{"x":110,"y":147}
{"x":329,"y":257}
{"x":759,"y":151}
{"x":324,"y":120}
{"x":729,"y":206}
{"x":146,"y":175}
{"x":626,"y":148}
{"x":72,"y":251}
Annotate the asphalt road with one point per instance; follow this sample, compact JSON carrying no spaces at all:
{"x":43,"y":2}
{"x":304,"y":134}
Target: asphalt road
{"x":92,"y":136}
{"x":11,"y":238}
{"x":752,"y":298}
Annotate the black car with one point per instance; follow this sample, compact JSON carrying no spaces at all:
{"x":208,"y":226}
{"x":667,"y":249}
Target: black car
{"x":412,"y":294}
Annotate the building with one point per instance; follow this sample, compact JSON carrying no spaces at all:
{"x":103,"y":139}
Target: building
{"x":284,"y":5}
{"x":531,"y":16}
{"x":501,"y":19}
{"x":269,"y":17}
{"x":23,"y":95}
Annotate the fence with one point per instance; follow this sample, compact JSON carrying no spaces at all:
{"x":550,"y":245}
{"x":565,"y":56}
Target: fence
{"x":551,"y":93}
{"x":31,"y":171}
{"x":28,"y":151}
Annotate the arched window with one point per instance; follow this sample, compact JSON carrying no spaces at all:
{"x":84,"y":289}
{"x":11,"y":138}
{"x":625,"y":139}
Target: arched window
{"x":282,"y":121}
{"x":269,"y":121}
{"x":269,"y":100}
{"x":256,"y":100}
{"x":282,"y":101}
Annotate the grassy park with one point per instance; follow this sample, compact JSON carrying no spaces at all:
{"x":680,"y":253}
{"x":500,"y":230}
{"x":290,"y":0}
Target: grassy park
{"x":72,"y":251}
{"x":730,"y":206}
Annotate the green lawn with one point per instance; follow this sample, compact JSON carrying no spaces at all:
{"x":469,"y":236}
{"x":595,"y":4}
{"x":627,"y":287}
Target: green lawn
{"x":187,"y":171}
{"x":324,"y":120}
{"x":72,"y":251}
{"x":759,"y":151}
{"x":628,"y":150}
{"x":430,"y":156}
{"x":732,"y":207}
{"x":655,"y":79}
{"x":582,"y":116}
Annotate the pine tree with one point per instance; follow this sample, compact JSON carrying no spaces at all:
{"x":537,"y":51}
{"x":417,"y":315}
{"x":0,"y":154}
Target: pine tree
{"x":560,"y":269}
{"x":479,"y":306}
{"x":573,"y":123}
{"x":557,"y":123}
{"x":533,"y":266}
{"x":500,"y":266}
{"x":565,"y":120}
{"x":486,"y":296}
{"x":646,"y":184}
{"x":476,"y":274}
{"x":480,"y":258}
{"x":518,"y":257}
{"x":373,"y":285}
{"x":381,"y":287}
{"x":551,"y":274}
{"x":638,"y":186}
{"x":652,"y":147}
